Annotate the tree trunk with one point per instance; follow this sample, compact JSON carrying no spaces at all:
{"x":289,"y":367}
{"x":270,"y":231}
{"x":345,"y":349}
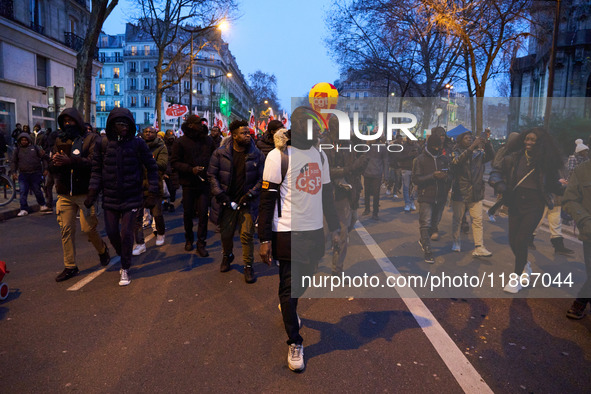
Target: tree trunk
{"x":159,"y":89}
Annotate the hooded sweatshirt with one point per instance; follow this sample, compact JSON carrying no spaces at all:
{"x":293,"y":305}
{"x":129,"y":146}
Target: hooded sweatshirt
{"x":73,"y":179}
{"x":118,"y":166}
{"x":30,"y":159}
{"x":192,"y":149}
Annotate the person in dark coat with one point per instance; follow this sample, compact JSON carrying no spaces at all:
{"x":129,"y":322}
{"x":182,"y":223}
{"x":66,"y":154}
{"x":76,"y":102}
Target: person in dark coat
{"x":527,"y":176}
{"x":235,"y":174}
{"x":30,"y":162}
{"x":467,"y":165}
{"x":16,"y":132}
{"x":266,"y":143}
{"x":216,"y":136}
{"x":376,"y":169}
{"x":190,"y":157}
{"x":117,"y":170}
{"x":411,"y":149}
{"x":430,"y":174}
{"x":71,"y":164}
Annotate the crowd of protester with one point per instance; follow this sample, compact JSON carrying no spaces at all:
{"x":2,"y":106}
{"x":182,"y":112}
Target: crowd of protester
{"x":239,"y":182}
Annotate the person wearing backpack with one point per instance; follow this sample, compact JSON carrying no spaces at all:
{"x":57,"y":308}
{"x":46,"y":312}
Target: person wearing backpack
{"x":71,"y":163}
{"x":117,"y":170}
{"x":30,"y":162}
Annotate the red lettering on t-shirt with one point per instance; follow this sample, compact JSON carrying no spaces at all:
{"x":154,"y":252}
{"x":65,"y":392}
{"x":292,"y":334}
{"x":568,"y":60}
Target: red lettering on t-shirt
{"x":310,"y":179}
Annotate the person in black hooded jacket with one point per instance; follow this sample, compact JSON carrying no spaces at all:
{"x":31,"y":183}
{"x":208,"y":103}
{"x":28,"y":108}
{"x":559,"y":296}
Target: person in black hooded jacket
{"x":190,"y":157}
{"x":266,"y":143}
{"x":71,"y":163}
{"x":117,"y":170}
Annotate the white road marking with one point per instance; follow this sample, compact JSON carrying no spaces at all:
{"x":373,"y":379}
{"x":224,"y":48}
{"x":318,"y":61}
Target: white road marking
{"x":86,"y":280}
{"x":465,"y":374}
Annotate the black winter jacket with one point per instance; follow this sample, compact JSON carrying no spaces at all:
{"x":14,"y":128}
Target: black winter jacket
{"x":28,"y":160}
{"x":118,"y":164}
{"x":190,"y":151}
{"x":468,"y":173}
{"x":74,"y":179}
{"x":220,"y":175}
{"x":409,"y":152}
{"x":430,"y":189}
{"x":266,"y":143}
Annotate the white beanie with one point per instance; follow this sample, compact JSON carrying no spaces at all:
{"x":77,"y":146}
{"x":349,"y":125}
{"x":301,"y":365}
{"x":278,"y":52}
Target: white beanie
{"x":580,"y":146}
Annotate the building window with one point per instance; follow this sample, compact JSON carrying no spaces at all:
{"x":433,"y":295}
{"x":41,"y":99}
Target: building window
{"x":37,"y":16}
{"x":116,"y":72}
{"x":104,"y":41}
{"x":103,"y":105}
{"x":146,"y":83}
{"x":102,"y":57}
{"x":146,"y":117}
{"x":102,"y":89}
{"x":199,"y":87}
{"x":117,"y":103}
{"x":42,"y":71}
{"x":356,"y":94}
{"x":134,"y":51}
{"x":132,"y":67}
{"x":364,"y":94}
{"x":118,"y":57}
{"x":116,"y":89}
{"x":146,"y":67}
{"x":146,"y":50}
{"x":133,"y":101}
{"x":186,"y":85}
{"x":132,"y":83}
{"x":146,"y":101}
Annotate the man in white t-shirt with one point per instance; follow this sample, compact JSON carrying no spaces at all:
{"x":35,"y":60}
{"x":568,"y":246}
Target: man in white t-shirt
{"x":296,"y":194}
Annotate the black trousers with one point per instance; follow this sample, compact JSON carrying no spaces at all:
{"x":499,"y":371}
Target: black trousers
{"x":525,"y":212}
{"x":298,"y":254}
{"x":195,"y":201}
{"x":372,"y":188}
{"x":121,"y":237}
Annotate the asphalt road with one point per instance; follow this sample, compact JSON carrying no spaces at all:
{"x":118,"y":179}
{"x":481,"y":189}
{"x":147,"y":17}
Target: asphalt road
{"x":182,"y":326}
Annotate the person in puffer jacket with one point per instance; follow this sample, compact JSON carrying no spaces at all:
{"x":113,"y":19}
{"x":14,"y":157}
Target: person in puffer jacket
{"x":236,"y":175}
{"x":117,"y":170}
{"x":71,"y":163}
{"x":30,"y":162}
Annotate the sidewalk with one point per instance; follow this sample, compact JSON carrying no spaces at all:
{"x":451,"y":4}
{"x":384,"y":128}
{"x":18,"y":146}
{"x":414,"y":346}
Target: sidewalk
{"x":11,"y":210}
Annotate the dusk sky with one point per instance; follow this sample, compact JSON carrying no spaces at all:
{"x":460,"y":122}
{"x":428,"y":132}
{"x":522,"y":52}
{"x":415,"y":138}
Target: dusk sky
{"x":282,"y":38}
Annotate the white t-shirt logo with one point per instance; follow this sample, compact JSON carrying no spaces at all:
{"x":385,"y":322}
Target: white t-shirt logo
{"x":310,"y":179}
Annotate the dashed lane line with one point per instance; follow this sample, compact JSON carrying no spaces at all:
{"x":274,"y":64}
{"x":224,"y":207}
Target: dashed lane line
{"x":89,"y":278}
{"x":463,"y":371}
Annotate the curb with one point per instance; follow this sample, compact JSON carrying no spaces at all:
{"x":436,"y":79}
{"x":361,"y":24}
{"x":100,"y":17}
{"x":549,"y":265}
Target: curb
{"x":12,"y":213}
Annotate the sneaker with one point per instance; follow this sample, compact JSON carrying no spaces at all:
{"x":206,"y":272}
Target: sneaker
{"x":226,"y":261}
{"x":512,"y":289}
{"x":576,"y":311}
{"x":249,"y":274}
{"x":407,"y":208}
{"x":105,"y":257}
{"x":45,"y":208}
{"x":139,"y":249}
{"x":159,"y":240}
{"x":412,"y":206}
{"x":527,"y":271}
{"x":429,"y":257}
{"x":295,"y":357}
{"x":188,"y":246}
{"x":491,"y":218}
{"x":66,"y":274}
{"x":201,"y":250}
{"x":22,"y":212}
{"x":124,"y":281}
{"x":388,"y":192}
{"x":394,"y":195}
{"x":435,"y":236}
{"x":366,"y":212}
{"x":456,"y":247}
{"x":481,"y":251}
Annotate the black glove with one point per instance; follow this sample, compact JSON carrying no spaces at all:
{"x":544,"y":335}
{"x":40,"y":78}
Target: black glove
{"x":245,"y":199}
{"x":150,"y":201}
{"x":91,"y":198}
{"x":500,"y":187}
{"x":223,"y":199}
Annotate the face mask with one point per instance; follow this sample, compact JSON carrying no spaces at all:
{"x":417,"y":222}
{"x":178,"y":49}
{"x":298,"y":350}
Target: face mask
{"x":69,"y":132}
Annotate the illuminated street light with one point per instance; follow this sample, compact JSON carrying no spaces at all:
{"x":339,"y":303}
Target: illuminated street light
{"x":223,"y":25}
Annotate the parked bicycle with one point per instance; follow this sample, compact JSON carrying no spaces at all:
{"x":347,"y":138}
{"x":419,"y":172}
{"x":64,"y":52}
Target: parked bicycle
{"x":7,"y":186}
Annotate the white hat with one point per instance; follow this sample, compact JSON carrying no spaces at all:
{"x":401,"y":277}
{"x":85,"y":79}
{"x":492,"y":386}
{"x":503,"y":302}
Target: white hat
{"x":580,"y":146}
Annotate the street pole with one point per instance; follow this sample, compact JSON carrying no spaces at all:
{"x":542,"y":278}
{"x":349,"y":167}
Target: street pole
{"x":552,"y":60}
{"x":191,"y":78}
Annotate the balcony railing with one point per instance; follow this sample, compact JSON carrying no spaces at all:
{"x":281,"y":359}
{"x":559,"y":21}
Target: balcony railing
{"x":76,"y":42}
{"x":104,"y":109}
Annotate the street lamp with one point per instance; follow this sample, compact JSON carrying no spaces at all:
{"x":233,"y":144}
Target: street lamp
{"x":438,"y":111}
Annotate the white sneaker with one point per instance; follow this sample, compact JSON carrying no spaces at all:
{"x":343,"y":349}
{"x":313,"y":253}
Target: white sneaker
{"x":491,"y":218}
{"x":412,"y":206}
{"x":124,"y":281}
{"x":44,"y":208}
{"x":295,"y":357}
{"x":481,"y":251}
{"x":388,"y":192}
{"x":456,"y":247}
{"x":394,"y":195}
{"x":407,"y":208}
{"x":527,"y":271}
{"x":22,"y":212}
{"x":139,"y":249}
{"x":159,"y":240}
{"x":512,"y":289}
